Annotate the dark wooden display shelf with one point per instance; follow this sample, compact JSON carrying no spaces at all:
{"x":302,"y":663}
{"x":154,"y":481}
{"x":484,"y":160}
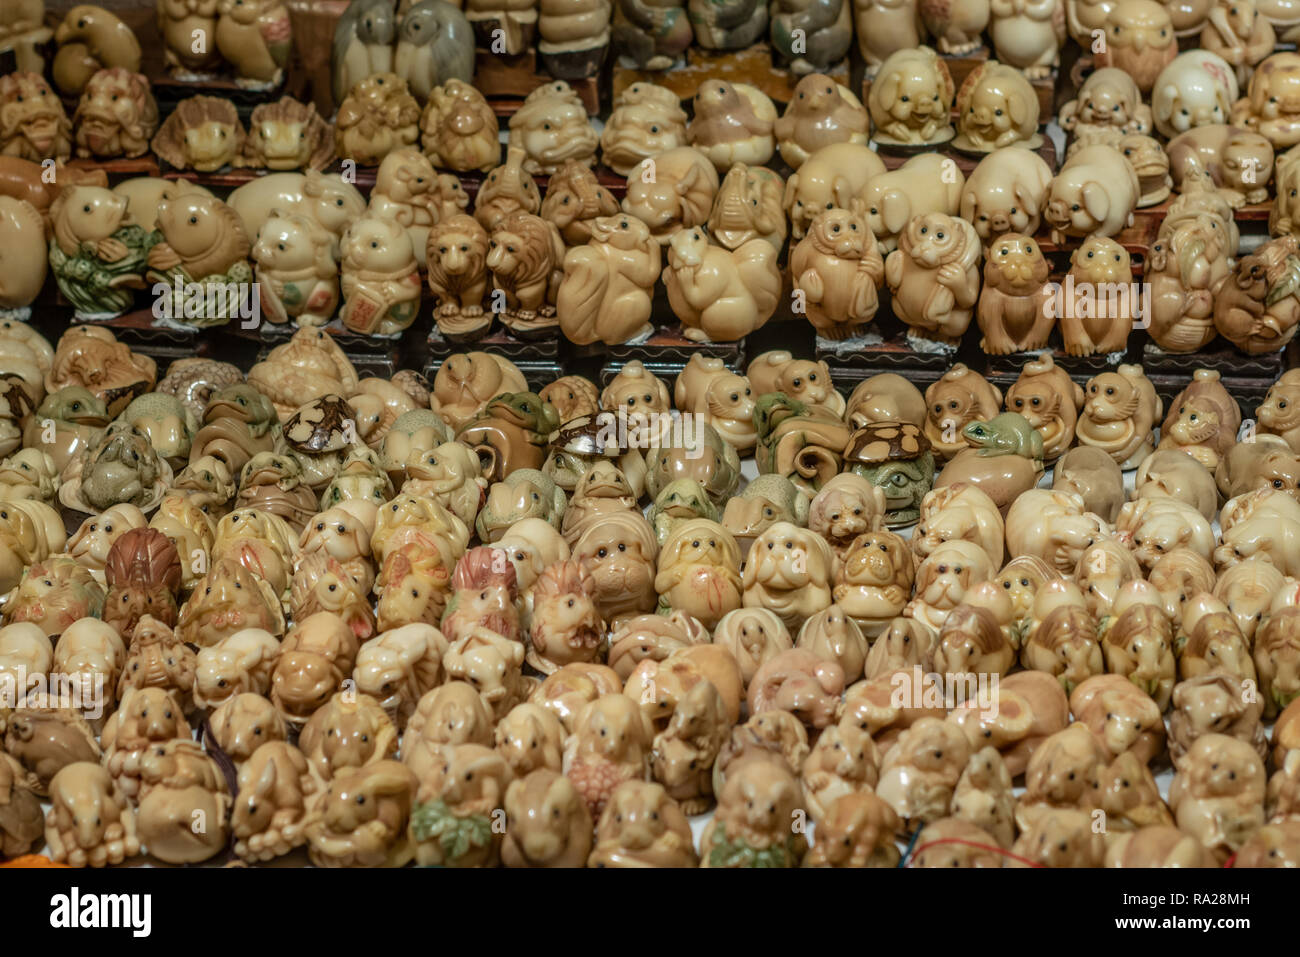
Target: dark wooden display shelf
{"x":538,"y":359}
{"x":754,"y":65}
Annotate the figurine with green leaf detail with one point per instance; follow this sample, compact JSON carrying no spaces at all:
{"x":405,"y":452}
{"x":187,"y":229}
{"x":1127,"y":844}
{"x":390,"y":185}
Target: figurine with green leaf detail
{"x":201,"y":260}
{"x":454,"y":822}
{"x":754,"y":825}
{"x":98,"y":261}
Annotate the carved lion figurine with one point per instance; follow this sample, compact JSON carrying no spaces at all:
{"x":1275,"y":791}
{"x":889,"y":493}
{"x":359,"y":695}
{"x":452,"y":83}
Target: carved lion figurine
{"x":456,"y":259}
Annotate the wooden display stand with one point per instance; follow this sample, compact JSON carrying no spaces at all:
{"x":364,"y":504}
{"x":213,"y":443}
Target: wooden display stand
{"x":371,"y":355}
{"x":894,"y":157}
{"x":141,"y":330}
{"x":507,"y":80}
{"x":755,"y":65}
{"x":852,"y":360}
{"x":538,"y":360}
{"x":666,"y":353}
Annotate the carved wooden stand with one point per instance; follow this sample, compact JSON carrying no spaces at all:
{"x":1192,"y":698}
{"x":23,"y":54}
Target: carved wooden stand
{"x":754,"y":65}
{"x":538,"y":360}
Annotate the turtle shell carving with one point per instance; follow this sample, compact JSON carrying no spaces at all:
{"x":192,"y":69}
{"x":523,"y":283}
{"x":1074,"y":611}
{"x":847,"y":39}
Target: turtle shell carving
{"x":327,"y":424}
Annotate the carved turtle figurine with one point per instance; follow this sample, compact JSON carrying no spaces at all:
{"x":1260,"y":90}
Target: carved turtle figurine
{"x":326,"y":424}
{"x":580,"y":442}
{"x":896,"y":457}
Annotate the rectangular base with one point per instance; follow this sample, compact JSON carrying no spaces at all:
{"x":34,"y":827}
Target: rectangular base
{"x":666,"y":353}
{"x":538,"y":360}
{"x":755,"y":65}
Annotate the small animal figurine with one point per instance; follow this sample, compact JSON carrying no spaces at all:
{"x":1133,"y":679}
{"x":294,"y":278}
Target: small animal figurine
{"x":96,"y":258}
{"x":1085,"y":332}
{"x":1094,"y":194}
{"x":330,"y":200}
{"x":1221,"y":155}
{"x":378,"y":116}
{"x":361,"y":819}
{"x":789,"y":572}
{"x":255,"y":36}
{"x":508,"y":188}
{"x":287,"y":135}
{"x":1257,"y":308}
{"x":647,"y":119}
{"x":720,"y":295}
{"x":1045,"y":395}
{"x":459,"y":128}
{"x":1218,"y":793}
{"x":270,"y":807}
{"x":751,"y":825}
{"x":1014,"y":312}
{"x":920,"y":771}
{"x":895,"y":198}
{"x":116,"y":116}
{"x":748,"y":206}
{"x":671,"y":191}
{"x":934,"y":277}
{"x":574,"y":199}
{"x":1140,"y":40}
{"x":1029,"y":36}
{"x":34,"y":125}
{"x":526,"y":261}
{"x":452,"y":820}
{"x":1004,"y":458}
{"x":90,"y":822}
{"x":435,"y":43}
{"x":996,"y":107}
{"x":733,"y":123}
{"x":831,"y":177}
{"x":1203,"y":420}
{"x":363,"y":43}
{"x":1240,"y":34}
{"x":605,"y":295}
{"x":1119,"y":411}
{"x":821,"y":113}
{"x":203,"y":133}
{"x":1006,"y":193}
{"x":552,"y":127}
{"x":456,"y":257}
{"x":911,"y":99}
{"x":90,"y":39}
{"x":203,"y":243}
{"x":548,"y":823}
{"x":886,"y":26}
{"x":380,"y":277}
{"x":296,"y":272}
{"x":1197,"y":88}
{"x":1108,"y":101}
{"x":642,"y":826}
{"x":180,"y":21}
{"x":565,"y":624}
{"x":182,"y":784}
{"x":1266,"y":107}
